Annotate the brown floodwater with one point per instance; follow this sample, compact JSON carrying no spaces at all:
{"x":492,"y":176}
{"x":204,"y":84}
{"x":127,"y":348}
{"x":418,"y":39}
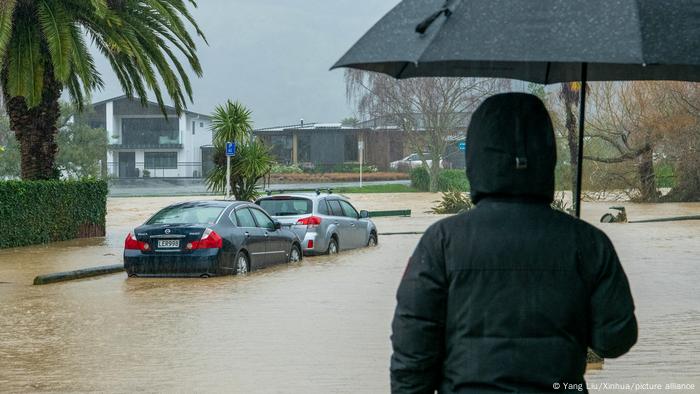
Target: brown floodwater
{"x":320,"y":326}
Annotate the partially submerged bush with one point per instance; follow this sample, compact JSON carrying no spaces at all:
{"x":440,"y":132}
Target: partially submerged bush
{"x":561,"y":204}
{"x":453,"y":202}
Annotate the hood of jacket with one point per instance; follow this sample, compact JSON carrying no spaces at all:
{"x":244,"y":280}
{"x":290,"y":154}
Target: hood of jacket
{"x":511,"y":150}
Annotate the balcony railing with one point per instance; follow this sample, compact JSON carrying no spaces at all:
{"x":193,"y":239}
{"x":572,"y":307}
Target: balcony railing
{"x":145,"y":146}
{"x":142,"y":170}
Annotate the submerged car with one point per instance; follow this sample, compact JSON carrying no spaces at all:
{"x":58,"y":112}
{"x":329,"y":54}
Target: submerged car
{"x":207,"y":238}
{"x":325,"y":223}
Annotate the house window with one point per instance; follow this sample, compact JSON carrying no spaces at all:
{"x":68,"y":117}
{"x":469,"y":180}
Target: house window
{"x":193,"y":124}
{"x":351,"y":147}
{"x":160,"y":160}
{"x":201,"y":124}
{"x":280,"y":147}
{"x":150,"y":131}
{"x":304,"y":148}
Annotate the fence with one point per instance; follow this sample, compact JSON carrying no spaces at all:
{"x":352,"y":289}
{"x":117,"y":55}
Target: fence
{"x":130,"y":170}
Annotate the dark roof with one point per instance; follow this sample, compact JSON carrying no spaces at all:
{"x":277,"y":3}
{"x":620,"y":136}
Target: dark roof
{"x":125,"y":97}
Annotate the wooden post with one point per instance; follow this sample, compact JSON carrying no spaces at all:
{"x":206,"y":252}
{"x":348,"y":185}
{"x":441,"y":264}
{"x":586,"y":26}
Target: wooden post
{"x":295,"y":148}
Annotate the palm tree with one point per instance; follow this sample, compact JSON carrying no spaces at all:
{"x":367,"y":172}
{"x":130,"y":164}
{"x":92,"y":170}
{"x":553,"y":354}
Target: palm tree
{"x":232,"y":122}
{"x":43,"y":51}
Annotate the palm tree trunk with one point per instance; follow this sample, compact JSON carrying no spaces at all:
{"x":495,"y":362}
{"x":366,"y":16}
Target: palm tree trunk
{"x":35,"y":130}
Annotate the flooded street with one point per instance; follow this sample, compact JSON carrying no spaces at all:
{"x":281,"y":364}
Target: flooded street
{"x":320,"y":326}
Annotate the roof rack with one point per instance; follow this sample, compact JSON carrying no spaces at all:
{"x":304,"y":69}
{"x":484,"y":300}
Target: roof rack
{"x":282,"y":191}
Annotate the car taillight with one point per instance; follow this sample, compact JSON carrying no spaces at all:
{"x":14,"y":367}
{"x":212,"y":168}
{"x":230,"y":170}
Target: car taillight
{"x":310,"y":221}
{"x":210,"y":240}
{"x":132,"y":243}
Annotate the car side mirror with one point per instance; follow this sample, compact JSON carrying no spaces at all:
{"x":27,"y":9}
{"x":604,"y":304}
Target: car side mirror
{"x":277,"y":225}
{"x":364,"y":214}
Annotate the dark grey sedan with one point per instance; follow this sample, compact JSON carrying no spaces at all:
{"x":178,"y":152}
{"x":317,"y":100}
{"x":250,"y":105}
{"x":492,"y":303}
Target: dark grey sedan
{"x":206,"y":238}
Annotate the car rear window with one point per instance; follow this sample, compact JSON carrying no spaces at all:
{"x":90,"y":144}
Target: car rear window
{"x":197,"y":214}
{"x":287,"y":206}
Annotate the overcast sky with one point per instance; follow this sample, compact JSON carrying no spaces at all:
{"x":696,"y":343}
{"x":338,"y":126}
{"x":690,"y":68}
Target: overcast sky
{"x":274,"y":56}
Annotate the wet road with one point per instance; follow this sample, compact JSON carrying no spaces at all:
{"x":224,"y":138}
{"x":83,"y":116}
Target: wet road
{"x":320,"y":326}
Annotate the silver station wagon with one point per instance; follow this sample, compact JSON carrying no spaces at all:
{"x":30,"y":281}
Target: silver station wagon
{"x":325,"y":223}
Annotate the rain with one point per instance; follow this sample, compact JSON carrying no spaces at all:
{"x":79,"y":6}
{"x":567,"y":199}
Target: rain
{"x":326,"y":101}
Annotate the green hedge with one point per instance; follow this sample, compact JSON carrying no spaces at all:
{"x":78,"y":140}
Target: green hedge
{"x":448,"y":180}
{"x":33,"y":212}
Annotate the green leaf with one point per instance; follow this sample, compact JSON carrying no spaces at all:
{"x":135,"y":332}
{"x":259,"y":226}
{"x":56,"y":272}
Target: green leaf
{"x":26,"y":65}
{"x":7,"y":8}
{"x":56,"y":28}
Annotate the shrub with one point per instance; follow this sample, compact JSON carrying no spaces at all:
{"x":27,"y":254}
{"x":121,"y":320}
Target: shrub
{"x":453,"y":202}
{"x":351,"y":168}
{"x":453,"y":180}
{"x":33,"y":212}
{"x":560,"y":203}
{"x":282,"y":169}
{"x":420,"y":179}
{"x":665,"y":175}
{"x":448,"y":180}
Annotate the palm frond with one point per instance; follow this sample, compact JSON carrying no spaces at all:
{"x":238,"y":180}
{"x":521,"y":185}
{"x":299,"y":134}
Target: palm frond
{"x":231,"y":121}
{"x":56,"y":25}
{"x":7,"y":9}
{"x":146,"y":43}
{"x":25,"y":71}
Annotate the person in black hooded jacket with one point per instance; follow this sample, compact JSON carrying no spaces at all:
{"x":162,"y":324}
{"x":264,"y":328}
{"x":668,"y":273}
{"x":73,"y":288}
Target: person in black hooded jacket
{"x":508,"y":296}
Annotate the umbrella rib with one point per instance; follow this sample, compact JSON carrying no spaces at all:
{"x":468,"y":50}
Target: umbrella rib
{"x":546,"y":73}
{"x":403,"y":68}
{"x":454,"y":5}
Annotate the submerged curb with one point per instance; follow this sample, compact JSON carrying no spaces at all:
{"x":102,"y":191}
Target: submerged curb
{"x":78,"y":274}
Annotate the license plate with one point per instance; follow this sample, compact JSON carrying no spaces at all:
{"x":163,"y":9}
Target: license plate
{"x":165,"y":243}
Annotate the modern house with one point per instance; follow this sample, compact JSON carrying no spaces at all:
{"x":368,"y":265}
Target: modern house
{"x":143,"y":142}
{"x":327,"y":145}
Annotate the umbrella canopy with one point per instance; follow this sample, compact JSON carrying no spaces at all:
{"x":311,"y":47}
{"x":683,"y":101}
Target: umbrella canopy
{"x":542,"y":41}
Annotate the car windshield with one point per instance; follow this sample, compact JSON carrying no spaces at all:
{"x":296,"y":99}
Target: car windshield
{"x":200,"y":214}
{"x":286,"y":206}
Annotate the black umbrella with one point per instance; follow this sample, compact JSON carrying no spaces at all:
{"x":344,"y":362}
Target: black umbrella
{"x":542,"y":41}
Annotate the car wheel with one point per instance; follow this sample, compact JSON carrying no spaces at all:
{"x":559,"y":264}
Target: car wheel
{"x":332,"y":247}
{"x":242,"y":263}
{"x":607,"y":218}
{"x":295,"y":254}
{"x":372,"y":240}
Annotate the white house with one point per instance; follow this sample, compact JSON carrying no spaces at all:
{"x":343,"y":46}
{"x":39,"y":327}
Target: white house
{"x":143,"y":142}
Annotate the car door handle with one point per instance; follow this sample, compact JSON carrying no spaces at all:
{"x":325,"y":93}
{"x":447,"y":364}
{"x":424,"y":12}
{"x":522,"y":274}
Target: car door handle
{"x":352,"y":224}
{"x":267,"y":235}
{"x":247,"y":234}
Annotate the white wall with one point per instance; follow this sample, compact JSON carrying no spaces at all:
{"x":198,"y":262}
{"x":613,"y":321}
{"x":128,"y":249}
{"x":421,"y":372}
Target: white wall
{"x":189,"y":157}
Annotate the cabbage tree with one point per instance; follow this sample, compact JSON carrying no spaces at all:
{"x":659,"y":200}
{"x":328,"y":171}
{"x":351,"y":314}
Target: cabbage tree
{"x":232,"y":122}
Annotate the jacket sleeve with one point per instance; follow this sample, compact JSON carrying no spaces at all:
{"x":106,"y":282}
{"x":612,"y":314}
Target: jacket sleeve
{"x":613,"y":324}
{"x":419,"y":321}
